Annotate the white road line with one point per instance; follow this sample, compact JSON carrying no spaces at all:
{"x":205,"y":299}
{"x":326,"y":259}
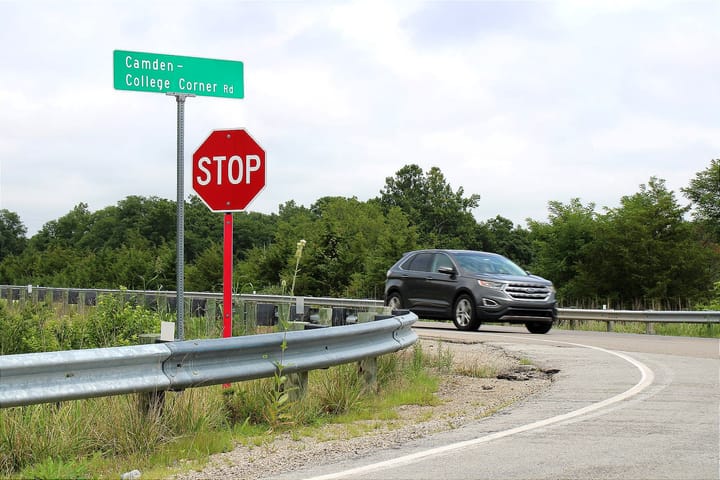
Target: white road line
{"x":646,"y":379}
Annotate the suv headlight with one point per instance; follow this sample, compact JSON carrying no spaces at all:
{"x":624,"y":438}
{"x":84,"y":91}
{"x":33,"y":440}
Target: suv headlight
{"x":489,"y":284}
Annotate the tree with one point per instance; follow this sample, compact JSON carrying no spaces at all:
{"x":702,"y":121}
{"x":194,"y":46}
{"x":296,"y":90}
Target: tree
{"x":12,"y":234}
{"x":267,"y":266}
{"x":646,"y":252}
{"x":704,"y":192}
{"x":356,"y":245}
{"x":443,"y":218}
{"x":500,"y":235}
{"x":66,"y":231}
{"x":561,"y":244}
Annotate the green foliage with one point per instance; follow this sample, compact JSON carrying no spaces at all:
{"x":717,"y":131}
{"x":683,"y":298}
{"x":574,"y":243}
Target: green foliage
{"x":704,"y":191}
{"x":655,"y":255}
{"x":643,"y":254}
{"x":35,"y":327}
{"x":714,"y":302}
{"x":339,"y":390}
{"x":51,"y":469}
{"x":443,"y":217}
{"x":355,"y":245}
{"x":69,"y":440}
{"x":206,"y":274}
{"x":443,"y":360}
{"x":499,"y":235}
{"x":245,"y":402}
{"x":32,"y":327}
{"x":12,"y":234}
{"x":276,"y":413}
{"x":117,"y":322}
{"x":350,"y":245}
{"x":561,"y":246}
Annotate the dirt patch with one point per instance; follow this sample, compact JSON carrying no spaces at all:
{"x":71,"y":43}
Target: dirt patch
{"x":463,"y":399}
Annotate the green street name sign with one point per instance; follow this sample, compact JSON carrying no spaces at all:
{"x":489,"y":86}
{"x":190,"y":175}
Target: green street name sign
{"x":154,"y":72}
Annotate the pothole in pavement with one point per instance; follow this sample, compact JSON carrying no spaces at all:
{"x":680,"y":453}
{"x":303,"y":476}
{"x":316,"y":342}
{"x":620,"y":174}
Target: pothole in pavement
{"x":524,"y":373}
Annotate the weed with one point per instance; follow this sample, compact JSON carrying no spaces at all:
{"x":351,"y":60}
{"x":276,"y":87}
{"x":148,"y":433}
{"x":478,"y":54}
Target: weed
{"x":277,"y":406}
{"x":52,"y":469}
{"x":476,"y":370}
{"x":339,"y":389}
{"x":443,"y":360}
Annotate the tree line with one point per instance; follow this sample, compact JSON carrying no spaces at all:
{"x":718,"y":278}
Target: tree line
{"x":649,"y":251}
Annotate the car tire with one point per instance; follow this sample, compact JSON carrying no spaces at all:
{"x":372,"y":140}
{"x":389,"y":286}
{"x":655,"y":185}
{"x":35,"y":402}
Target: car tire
{"x":538,"y":327}
{"x":464,"y":316}
{"x":394,"y":300}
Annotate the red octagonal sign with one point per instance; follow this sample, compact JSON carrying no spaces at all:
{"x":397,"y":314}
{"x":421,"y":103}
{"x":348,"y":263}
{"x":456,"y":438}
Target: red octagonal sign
{"x":228,"y":170}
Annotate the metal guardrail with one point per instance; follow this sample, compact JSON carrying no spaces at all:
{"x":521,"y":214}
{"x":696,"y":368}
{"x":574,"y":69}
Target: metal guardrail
{"x":27,"y":379}
{"x":564,"y":314}
{"x":89,"y":296}
{"x":644,"y":316}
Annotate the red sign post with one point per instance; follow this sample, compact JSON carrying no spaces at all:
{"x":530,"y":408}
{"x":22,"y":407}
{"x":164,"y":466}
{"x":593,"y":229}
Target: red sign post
{"x":228,"y":171}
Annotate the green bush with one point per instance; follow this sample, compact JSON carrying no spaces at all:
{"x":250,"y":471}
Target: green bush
{"x":28,"y":328}
{"x":714,"y":303}
{"x":116,"y":322}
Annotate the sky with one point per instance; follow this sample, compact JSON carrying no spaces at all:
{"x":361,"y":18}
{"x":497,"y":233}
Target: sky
{"x":522,"y":103}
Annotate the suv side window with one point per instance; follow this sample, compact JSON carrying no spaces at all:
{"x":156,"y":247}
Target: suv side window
{"x":441,"y":260}
{"x":422,"y":262}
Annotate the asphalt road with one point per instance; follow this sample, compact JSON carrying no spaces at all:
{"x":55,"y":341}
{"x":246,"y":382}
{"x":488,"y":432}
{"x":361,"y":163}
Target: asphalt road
{"x":621,"y":407}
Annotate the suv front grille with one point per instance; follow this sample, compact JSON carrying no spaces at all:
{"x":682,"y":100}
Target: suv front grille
{"x":527,"y":291}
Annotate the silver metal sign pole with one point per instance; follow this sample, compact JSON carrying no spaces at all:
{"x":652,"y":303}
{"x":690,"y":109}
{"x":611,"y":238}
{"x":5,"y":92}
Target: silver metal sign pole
{"x":180,"y":242}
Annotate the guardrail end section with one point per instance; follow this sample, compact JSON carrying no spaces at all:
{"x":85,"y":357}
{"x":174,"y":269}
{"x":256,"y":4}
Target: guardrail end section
{"x":405,"y":335}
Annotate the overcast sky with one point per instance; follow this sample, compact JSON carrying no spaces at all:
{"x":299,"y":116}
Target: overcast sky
{"x":519,"y":102}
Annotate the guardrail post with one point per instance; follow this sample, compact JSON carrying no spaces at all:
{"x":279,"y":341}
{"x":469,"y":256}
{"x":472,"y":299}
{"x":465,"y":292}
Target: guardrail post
{"x":297,"y":385}
{"x":250,"y":322}
{"x":325,"y":316}
{"x":650,"y":328}
{"x":151,"y":403}
{"x":610,"y":325}
{"x":367,"y":367}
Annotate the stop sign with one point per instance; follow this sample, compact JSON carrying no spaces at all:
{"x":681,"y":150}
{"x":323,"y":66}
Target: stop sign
{"x":228,"y":170}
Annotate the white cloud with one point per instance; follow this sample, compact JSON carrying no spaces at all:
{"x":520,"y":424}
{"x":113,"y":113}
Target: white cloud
{"x":642,"y":133}
{"x":522,"y":103}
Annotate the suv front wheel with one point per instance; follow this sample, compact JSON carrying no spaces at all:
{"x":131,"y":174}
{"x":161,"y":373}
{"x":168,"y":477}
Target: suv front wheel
{"x":538,"y":327}
{"x":464,"y":314}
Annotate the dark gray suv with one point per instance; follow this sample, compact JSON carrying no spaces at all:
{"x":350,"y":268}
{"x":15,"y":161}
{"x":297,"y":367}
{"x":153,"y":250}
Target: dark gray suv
{"x":469,"y":288}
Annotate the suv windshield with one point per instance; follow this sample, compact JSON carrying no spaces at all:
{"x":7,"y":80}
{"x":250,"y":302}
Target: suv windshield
{"x":479,"y":263}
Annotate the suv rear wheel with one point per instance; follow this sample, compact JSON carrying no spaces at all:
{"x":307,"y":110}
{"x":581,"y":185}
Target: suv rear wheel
{"x":464,"y":314}
{"x":394,"y":301}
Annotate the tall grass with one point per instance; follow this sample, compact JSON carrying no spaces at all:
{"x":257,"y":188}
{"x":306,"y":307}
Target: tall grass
{"x":104,"y":437}
{"x":84,"y":432}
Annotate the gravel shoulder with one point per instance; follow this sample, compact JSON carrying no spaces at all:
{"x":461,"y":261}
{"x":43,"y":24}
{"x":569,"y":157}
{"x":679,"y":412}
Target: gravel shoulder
{"x":463,"y":399}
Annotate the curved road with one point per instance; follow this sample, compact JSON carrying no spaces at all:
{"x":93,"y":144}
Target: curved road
{"x":622,"y":407}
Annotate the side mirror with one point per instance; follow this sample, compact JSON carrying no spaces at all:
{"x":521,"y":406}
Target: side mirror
{"x":447,"y":270}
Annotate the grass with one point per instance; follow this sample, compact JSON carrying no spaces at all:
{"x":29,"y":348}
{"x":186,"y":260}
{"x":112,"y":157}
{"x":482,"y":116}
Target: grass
{"x":477,"y":370}
{"x":669,"y":329}
{"x":105,"y":437}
